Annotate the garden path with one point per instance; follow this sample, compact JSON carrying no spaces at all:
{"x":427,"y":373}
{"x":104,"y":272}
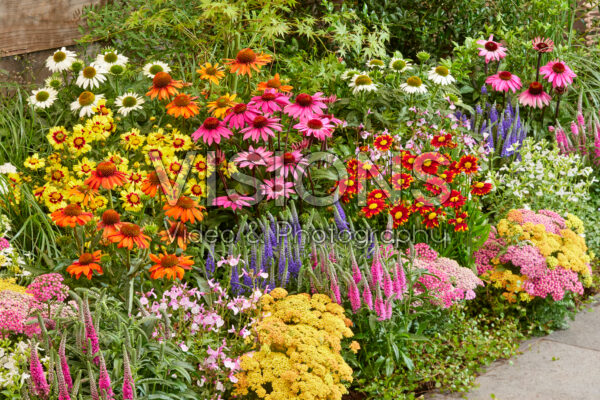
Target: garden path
{"x":564,"y":365}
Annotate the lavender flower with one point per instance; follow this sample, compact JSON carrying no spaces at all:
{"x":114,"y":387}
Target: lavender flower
{"x":210,"y":261}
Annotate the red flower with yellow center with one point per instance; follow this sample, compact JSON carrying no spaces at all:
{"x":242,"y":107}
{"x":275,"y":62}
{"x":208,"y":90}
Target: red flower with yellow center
{"x":246,"y":61}
{"x":430,"y":166}
{"x":383,"y":143}
{"x":408,"y":160}
{"x":183,"y":105}
{"x":373,"y":208}
{"x":176,"y":232}
{"x":169,"y":266}
{"x":444,"y":140}
{"x":401,"y":181}
{"x":378,"y":194}
{"x":367,"y":170}
{"x":421,"y":205}
{"x":352,"y":166}
{"x":455,"y":200}
{"x":274,"y":83}
{"x":481,"y":188}
{"x":468,"y":164}
{"x":400,"y":214}
{"x":448,"y":175}
{"x":109,"y":223}
{"x":106,"y":175}
{"x":86,"y":265}
{"x":71,"y":216}
{"x":431,"y":218}
{"x":164,"y":86}
{"x":460,"y":222}
{"x":186,"y":209}
{"x":130,"y":235}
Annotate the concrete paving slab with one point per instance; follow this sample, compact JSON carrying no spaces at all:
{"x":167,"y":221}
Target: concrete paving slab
{"x":584,"y":331}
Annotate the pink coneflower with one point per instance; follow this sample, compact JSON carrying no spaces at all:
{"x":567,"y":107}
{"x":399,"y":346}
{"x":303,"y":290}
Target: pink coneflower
{"x":240,"y":115}
{"x":558,"y":73}
{"x":211,"y":130}
{"x":535,"y":96}
{"x":293,"y":163}
{"x":305,"y":106}
{"x":253,"y":157}
{"x":332,"y":119}
{"x":233,"y":201}
{"x":493,"y":51}
{"x":542,"y":45}
{"x":276,"y":188}
{"x":270,"y":101}
{"x":262,"y":127}
{"x":504,"y":81}
{"x":315,"y":127}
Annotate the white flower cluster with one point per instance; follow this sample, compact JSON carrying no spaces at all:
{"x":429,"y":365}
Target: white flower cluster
{"x":542,"y":179}
{"x":13,"y":366}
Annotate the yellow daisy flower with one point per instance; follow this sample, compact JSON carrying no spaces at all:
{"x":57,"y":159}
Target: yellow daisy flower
{"x":221,"y":106}
{"x":209,"y":72}
{"x":34,"y":162}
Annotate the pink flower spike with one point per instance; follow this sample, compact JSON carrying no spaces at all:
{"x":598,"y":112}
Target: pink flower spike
{"x":211,"y":130}
{"x":535,"y":96}
{"x":558,"y":73}
{"x":492,"y":51}
{"x":305,"y":106}
{"x":504,"y":81}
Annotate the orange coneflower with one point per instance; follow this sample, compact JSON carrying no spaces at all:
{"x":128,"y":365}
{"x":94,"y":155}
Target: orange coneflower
{"x":71,"y":216}
{"x":185,"y":210}
{"x":86,"y":264}
{"x":169,"y":266}
{"x":110,"y":223}
{"x":219,"y":107}
{"x":164,"y":86}
{"x":176,"y":232}
{"x":183,"y":105}
{"x":274,"y":83}
{"x":129,"y":235}
{"x":151,"y":184}
{"x":82,"y":194}
{"x":106,"y":175}
{"x":246,"y":61}
{"x":210,"y":72}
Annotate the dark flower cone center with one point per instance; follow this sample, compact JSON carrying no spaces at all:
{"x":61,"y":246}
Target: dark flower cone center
{"x":304,"y":99}
{"x":274,"y":83}
{"x":210,"y":71}
{"x":110,"y":217}
{"x":442,"y":71}
{"x":536,"y":88}
{"x":42,"y":96}
{"x":399,"y":64}
{"x":89,"y":72}
{"x":254,"y":157}
{"x":314,"y":124}
{"x":86,"y":259}
{"x":211,"y":123}
{"x":129,"y":101}
{"x":106,"y":169}
{"x":86,"y":98}
{"x":491,"y":46}
{"x":153,"y":179}
{"x":363,"y":80}
{"x":186,"y":203}
{"x":222,"y":102}
{"x":277,"y":187}
{"x":110,"y":57}
{"x":239,"y":108}
{"x":288,"y":158}
{"x":161,"y":79}
{"x":79,"y":142}
{"x":59,"y":56}
{"x":541,"y":46}
{"x":505,"y":75}
{"x":268,"y":96}
{"x":246,"y":56}
{"x":260,"y":122}
{"x":169,"y":261}
{"x":155,"y":69}
{"x":130,"y":230}
{"x":558,"y":68}
{"x":234,"y":197}
{"x":182,"y":100}
{"x":72,"y":210}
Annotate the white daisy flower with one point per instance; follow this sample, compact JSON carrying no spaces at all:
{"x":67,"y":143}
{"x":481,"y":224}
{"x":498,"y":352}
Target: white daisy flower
{"x":399,"y":64}
{"x":441,"y":76}
{"x":109,"y":58}
{"x":414,"y":84}
{"x":85,"y":103}
{"x":91,"y":77}
{"x":61,"y":60}
{"x":375,"y":64}
{"x":129,"y":102}
{"x":43,"y":98}
{"x":154,"y":67}
{"x":349,"y":74}
{"x":362,"y":83}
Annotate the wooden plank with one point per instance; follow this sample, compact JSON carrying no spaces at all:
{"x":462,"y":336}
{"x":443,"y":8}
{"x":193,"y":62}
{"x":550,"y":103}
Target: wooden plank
{"x":27,"y":25}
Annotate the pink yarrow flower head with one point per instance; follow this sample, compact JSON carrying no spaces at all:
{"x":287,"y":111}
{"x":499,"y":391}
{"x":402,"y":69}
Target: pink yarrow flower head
{"x":542,"y":45}
{"x":316,"y":127}
{"x":240,"y":115}
{"x":290,"y":163}
{"x":558,"y":73}
{"x":211,"y":130}
{"x":269,"y":101}
{"x":234,"y":201}
{"x":504,"y":81}
{"x":276,"y":188}
{"x":534,"y":96}
{"x":305,"y":106}
{"x":492,"y":51}
{"x":254,"y":157}
{"x":262,"y":127}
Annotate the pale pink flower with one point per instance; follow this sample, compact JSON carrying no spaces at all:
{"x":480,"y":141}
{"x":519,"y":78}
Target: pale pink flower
{"x":293,"y":163}
{"x":254,"y":157}
{"x":558,"y":73}
{"x":534,"y":96}
{"x":315,"y":127}
{"x":492,"y":51}
{"x":234,"y":201}
{"x":504,"y":81}
{"x":276,"y":188}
